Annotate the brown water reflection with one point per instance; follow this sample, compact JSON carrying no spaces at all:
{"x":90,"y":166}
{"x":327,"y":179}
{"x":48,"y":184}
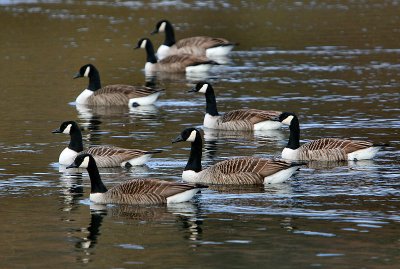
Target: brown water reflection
{"x":335,"y":64}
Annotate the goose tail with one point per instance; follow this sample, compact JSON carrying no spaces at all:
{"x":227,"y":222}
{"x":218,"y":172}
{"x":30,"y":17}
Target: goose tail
{"x":293,"y":164}
{"x":200,"y":186}
{"x":381,"y":145}
{"x":213,"y":62}
{"x":153,"y":151}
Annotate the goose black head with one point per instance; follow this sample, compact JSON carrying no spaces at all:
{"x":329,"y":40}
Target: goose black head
{"x":85,"y":71}
{"x":189,"y":134}
{"x":82,"y":161}
{"x":143,"y":43}
{"x":201,"y":86}
{"x":66,"y":127}
{"x":287,"y":117}
{"x":160,"y":26}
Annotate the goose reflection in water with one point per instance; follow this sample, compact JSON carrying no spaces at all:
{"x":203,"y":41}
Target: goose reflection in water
{"x":216,"y":134}
{"x":93,"y":115}
{"x":354,"y":165}
{"x":71,"y":191}
{"x":147,"y":111}
{"x":270,"y":189}
{"x":214,"y":137}
{"x":87,"y":113}
{"x":178,"y":77}
{"x":186,"y":215}
{"x":96,"y":218}
{"x":237,"y":189}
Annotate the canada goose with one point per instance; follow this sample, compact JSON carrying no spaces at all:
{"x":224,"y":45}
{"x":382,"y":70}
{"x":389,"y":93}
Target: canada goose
{"x":324,"y":149}
{"x":245,"y":170}
{"x":118,"y":94}
{"x":241,"y":119}
{"x":198,"y":45}
{"x":136,"y":191}
{"x":106,"y":156}
{"x":174,"y":63}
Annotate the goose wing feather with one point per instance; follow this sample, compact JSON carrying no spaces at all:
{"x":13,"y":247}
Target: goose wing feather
{"x":179,"y":62}
{"x":146,"y":191}
{"x":120,"y":94}
{"x":330,"y":149}
{"x":204,"y":42}
{"x":107,"y":156}
{"x":346,"y":145}
{"x":251,"y":115}
{"x":244,"y":170}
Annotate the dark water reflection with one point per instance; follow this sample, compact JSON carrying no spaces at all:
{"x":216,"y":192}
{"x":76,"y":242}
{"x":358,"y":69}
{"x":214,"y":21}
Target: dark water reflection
{"x":335,"y":64}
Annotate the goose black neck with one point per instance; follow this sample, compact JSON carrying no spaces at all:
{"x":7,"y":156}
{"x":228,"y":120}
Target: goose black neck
{"x":211,"y":103}
{"x":294,"y":138}
{"x":75,"y":142}
{"x":151,"y":56}
{"x":94,"y":80}
{"x":96,"y":184}
{"x":169,"y":35}
{"x":194,"y":162}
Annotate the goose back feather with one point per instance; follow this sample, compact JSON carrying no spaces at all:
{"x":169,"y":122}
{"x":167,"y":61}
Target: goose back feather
{"x":178,"y":63}
{"x":197,"y":46}
{"x":241,"y":171}
{"x":330,"y":149}
{"x":245,"y":119}
{"x":109,"y":156}
{"x":204,"y":42}
{"x":251,"y":115}
{"x":146,"y":191}
{"x":120,"y":94}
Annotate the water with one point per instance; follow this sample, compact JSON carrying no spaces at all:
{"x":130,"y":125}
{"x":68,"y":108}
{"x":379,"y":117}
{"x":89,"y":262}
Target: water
{"x":335,"y":64}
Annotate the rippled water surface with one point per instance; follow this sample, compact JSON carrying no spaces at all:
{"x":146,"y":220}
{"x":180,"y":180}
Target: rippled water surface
{"x":335,"y":63}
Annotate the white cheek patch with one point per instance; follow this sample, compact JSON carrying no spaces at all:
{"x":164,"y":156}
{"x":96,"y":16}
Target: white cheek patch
{"x":87,"y":71}
{"x":143,"y":45}
{"x":67,"y":130}
{"x":204,"y":88}
{"x":288,"y":120}
{"x":192,"y":136}
{"x":162,"y":27}
{"x":85,"y":162}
